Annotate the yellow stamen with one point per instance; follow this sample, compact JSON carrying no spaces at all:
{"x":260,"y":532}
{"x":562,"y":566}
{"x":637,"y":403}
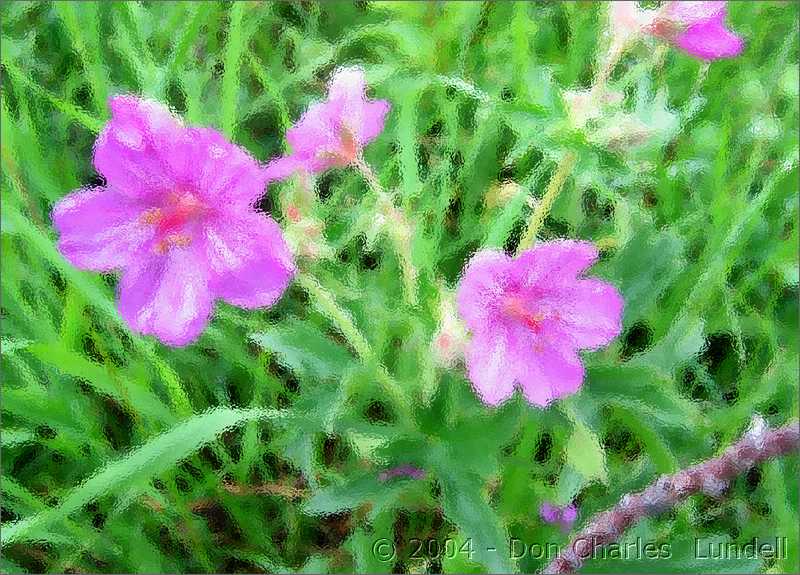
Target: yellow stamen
{"x":151,"y":216}
{"x":172,"y":240}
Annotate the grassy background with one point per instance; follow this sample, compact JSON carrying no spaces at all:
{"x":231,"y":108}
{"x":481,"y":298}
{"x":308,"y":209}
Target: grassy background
{"x":259,"y":447}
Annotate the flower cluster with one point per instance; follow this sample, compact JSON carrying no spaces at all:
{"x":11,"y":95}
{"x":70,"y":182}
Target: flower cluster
{"x":177,"y":217}
{"x":177,"y":213}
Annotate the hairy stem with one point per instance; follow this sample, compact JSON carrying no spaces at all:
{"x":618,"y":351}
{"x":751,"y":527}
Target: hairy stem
{"x":711,"y":477}
{"x":543,"y":207}
{"x":324,"y":301}
{"x":598,"y":89}
{"x":398,"y":229}
{"x":326,"y":304}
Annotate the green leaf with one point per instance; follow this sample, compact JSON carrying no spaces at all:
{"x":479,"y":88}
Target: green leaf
{"x":464,"y":503}
{"x":130,"y":393}
{"x":350,"y":494}
{"x":640,"y":388}
{"x":233,"y":61}
{"x":646,"y":264}
{"x":11,"y":437}
{"x":305,"y":350}
{"x":134,"y":470}
{"x":684,"y":341}
{"x":585,"y":454}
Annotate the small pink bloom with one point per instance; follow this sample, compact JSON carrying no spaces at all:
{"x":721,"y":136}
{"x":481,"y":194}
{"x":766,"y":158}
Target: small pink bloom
{"x":404,"y":470}
{"x":177,"y":217}
{"x":450,"y":339}
{"x":563,"y":516}
{"x":530,"y":315}
{"x":333,"y":132}
{"x":698,"y":28}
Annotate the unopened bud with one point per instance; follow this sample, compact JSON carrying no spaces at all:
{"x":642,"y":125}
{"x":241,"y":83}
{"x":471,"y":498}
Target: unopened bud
{"x":306,"y":237}
{"x":450,"y":340}
{"x":627,"y":20}
{"x":584,"y":106}
{"x":292,"y":213}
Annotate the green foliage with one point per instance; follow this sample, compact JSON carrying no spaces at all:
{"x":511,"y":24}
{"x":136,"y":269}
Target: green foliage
{"x":261,"y":446}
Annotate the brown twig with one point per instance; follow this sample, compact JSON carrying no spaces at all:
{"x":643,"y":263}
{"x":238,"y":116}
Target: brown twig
{"x":280,"y":489}
{"x":711,"y":477}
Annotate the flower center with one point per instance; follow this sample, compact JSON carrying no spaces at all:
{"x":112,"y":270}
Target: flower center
{"x":348,"y":149}
{"x":349,"y":143}
{"x":664,"y":29}
{"x":172,"y":220}
{"x":515,"y":308}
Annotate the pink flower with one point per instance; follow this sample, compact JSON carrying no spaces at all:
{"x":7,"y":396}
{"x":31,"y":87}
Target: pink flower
{"x":530,"y":315}
{"x":563,"y":516}
{"x":177,"y":217}
{"x":405,"y":470}
{"x":697,"y":28}
{"x":334,"y":132}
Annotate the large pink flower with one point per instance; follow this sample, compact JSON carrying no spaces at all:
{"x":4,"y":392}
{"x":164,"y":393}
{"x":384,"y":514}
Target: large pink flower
{"x":530,"y":315}
{"x":177,"y":216}
{"x":333,"y":132}
{"x":698,"y":28}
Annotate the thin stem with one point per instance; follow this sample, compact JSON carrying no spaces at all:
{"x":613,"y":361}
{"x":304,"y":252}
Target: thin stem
{"x":326,"y":304}
{"x":400,"y":234}
{"x":599,"y":86}
{"x":368,"y":174}
{"x":712,"y":476}
{"x":543,"y":207}
{"x":613,"y":55}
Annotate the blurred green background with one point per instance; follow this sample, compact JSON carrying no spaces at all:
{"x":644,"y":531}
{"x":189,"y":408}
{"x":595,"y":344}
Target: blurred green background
{"x":260,"y":447}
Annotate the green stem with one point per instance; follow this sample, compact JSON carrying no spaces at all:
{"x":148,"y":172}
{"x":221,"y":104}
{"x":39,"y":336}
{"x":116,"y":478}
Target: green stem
{"x":550,"y":195}
{"x":400,"y":237}
{"x":325,"y":303}
{"x":612,"y":56}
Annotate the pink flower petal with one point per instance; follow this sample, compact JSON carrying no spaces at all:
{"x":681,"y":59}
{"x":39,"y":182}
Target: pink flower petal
{"x":222,"y":172}
{"x":250,"y":262}
{"x":373,"y":120}
{"x":366,"y":118}
{"x":688,"y":12}
{"x":557,"y":261}
{"x":488,"y":369}
{"x":569,"y":514}
{"x":282,"y":168}
{"x":167,"y":296}
{"x":550,"y":371}
{"x":316,"y":138}
{"x":348,"y":84}
{"x":129,"y":152}
{"x":99,"y":228}
{"x":549,"y":512}
{"x":710,"y":40}
{"x":482,"y":284}
{"x":590,"y":312}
